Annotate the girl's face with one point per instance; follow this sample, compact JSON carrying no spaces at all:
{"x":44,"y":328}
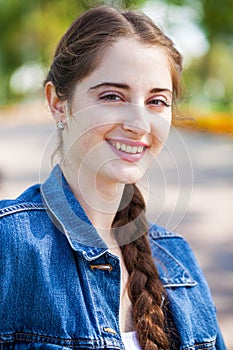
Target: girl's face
{"x":120,"y":114}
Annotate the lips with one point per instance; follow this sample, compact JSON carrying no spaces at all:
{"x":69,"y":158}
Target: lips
{"x":127,"y":148}
{"x":133,"y":150}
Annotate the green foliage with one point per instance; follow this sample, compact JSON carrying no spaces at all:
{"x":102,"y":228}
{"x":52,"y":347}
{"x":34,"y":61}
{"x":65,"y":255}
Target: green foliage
{"x":29,"y":31}
{"x":86,"y":4}
{"x":215,"y":17}
{"x":209,"y":79}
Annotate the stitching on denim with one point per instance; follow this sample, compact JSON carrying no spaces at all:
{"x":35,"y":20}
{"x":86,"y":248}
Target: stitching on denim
{"x":71,"y":343}
{"x":20,"y":207}
{"x":156,"y":234}
{"x":209,"y":345}
{"x":42,"y":338}
{"x":19,"y":334}
{"x":45,"y":340}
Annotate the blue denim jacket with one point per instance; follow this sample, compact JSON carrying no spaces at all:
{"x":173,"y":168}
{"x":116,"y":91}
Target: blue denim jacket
{"x":56,"y":292}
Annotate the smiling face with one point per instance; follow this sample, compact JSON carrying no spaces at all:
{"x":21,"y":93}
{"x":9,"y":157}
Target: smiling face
{"x":120,"y":114}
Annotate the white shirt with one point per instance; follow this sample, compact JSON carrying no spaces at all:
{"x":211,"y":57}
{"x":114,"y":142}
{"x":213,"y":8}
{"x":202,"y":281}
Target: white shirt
{"x":130,"y":341}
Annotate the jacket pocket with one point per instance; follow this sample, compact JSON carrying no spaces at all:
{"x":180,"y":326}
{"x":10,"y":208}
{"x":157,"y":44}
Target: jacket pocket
{"x":208,"y":345}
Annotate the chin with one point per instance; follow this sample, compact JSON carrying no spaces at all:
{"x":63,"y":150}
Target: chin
{"x":127,"y":173}
{"x":130,"y":177}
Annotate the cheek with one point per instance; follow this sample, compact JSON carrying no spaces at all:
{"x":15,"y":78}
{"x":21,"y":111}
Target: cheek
{"x":159,"y":132}
{"x":97,"y":116}
{"x":85,"y":143}
{"x":156,"y":147}
{"x":160,"y":128}
{"x":92,"y":139}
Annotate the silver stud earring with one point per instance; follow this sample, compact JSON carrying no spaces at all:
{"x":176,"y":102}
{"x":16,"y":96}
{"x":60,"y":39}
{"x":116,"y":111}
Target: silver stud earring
{"x":60,"y":125}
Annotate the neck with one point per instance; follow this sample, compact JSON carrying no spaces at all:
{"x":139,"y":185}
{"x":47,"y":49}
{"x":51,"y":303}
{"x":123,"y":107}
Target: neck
{"x":100,"y":200}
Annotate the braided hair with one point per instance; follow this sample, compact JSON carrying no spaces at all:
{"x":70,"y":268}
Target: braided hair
{"x":145,"y":290}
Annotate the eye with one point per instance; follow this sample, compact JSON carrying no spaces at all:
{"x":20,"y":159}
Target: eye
{"x":111,"y":97}
{"x":159,"y":101}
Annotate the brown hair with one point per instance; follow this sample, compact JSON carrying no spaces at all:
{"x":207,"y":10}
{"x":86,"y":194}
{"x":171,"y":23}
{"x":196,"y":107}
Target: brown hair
{"x":81,"y":48}
{"x":77,"y":55}
{"x":144,"y":287}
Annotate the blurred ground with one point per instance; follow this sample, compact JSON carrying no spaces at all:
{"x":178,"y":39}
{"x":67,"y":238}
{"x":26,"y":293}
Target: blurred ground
{"x":190,"y":189}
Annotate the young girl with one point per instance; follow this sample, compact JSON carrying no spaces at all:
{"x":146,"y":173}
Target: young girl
{"x":81,"y":268}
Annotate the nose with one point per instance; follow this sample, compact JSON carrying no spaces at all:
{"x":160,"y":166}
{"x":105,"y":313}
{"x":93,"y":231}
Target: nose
{"x":137,"y":120}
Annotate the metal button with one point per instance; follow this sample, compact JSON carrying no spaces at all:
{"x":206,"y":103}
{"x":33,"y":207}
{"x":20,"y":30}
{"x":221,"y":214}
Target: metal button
{"x":103,"y":267}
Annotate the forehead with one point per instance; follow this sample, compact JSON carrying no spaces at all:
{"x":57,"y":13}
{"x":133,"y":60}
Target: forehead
{"x":132,"y":62}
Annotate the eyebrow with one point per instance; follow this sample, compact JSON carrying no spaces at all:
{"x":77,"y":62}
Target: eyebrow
{"x":126,"y":87}
{"x":156,"y":90}
{"x":117,"y":85}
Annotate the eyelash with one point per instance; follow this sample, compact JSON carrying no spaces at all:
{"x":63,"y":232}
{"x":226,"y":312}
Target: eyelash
{"x":114,"y":97}
{"x":108,"y":97}
{"x":163,"y":101}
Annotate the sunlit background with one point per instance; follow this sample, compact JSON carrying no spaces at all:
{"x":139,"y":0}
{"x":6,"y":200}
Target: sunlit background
{"x":203,"y":31}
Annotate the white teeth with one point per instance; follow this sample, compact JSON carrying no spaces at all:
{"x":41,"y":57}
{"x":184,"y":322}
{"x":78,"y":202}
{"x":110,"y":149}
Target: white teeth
{"x":127,"y":148}
{"x":123,"y":147}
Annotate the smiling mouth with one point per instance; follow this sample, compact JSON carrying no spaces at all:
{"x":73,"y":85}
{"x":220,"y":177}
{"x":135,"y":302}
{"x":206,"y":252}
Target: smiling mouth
{"x":127,"y":148}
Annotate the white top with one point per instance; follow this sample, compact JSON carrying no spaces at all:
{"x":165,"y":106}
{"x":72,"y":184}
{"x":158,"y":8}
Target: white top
{"x":130,"y":341}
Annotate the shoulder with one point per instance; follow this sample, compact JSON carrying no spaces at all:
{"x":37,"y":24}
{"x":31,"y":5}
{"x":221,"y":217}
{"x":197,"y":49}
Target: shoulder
{"x":30,"y":199}
{"x":19,"y":216}
{"x":171,"y":241}
{"x":174,"y":258}
{"x":27,"y":233}
{"x":188,"y":293}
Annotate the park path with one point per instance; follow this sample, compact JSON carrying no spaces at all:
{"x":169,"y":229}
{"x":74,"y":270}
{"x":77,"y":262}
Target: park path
{"x":191,"y":193}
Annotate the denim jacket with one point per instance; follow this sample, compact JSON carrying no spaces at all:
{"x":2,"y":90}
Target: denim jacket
{"x":58,"y":292}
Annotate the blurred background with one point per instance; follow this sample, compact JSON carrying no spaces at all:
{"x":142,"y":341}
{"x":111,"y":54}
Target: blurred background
{"x":191,"y":189}
{"x":202,"y":31}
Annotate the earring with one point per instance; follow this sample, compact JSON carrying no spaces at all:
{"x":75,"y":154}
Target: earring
{"x":60,"y":125}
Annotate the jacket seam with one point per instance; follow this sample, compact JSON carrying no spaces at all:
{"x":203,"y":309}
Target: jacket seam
{"x":205,"y":345}
{"x":28,"y":337}
{"x":164,"y":236}
{"x":156,"y":233}
{"x":12,"y":209}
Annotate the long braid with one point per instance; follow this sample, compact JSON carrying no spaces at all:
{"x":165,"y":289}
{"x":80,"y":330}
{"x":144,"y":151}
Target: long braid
{"x":144,"y":287}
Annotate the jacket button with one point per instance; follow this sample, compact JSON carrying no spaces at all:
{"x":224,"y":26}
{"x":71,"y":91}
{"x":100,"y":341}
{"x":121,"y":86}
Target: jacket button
{"x":109,"y":330}
{"x":103,"y":267}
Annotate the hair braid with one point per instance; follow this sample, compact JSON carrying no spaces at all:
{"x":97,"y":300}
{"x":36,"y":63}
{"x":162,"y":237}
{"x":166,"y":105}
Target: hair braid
{"x":144,"y":287}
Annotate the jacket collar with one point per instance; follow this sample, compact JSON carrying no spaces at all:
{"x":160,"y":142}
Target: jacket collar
{"x":69,"y":217}
{"x":166,"y":247}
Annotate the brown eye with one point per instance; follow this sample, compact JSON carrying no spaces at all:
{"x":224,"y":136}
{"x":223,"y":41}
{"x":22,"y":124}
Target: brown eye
{"x":160,"y":102}
{"x":111,"y":97}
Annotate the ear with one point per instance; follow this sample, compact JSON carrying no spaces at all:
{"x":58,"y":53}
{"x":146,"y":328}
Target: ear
{"x":56,"y":105}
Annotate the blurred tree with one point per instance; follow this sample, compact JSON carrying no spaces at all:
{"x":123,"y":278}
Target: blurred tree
{"x":215,"y":17}
{"x":30,"y":29}
{"x":209,"y":76}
